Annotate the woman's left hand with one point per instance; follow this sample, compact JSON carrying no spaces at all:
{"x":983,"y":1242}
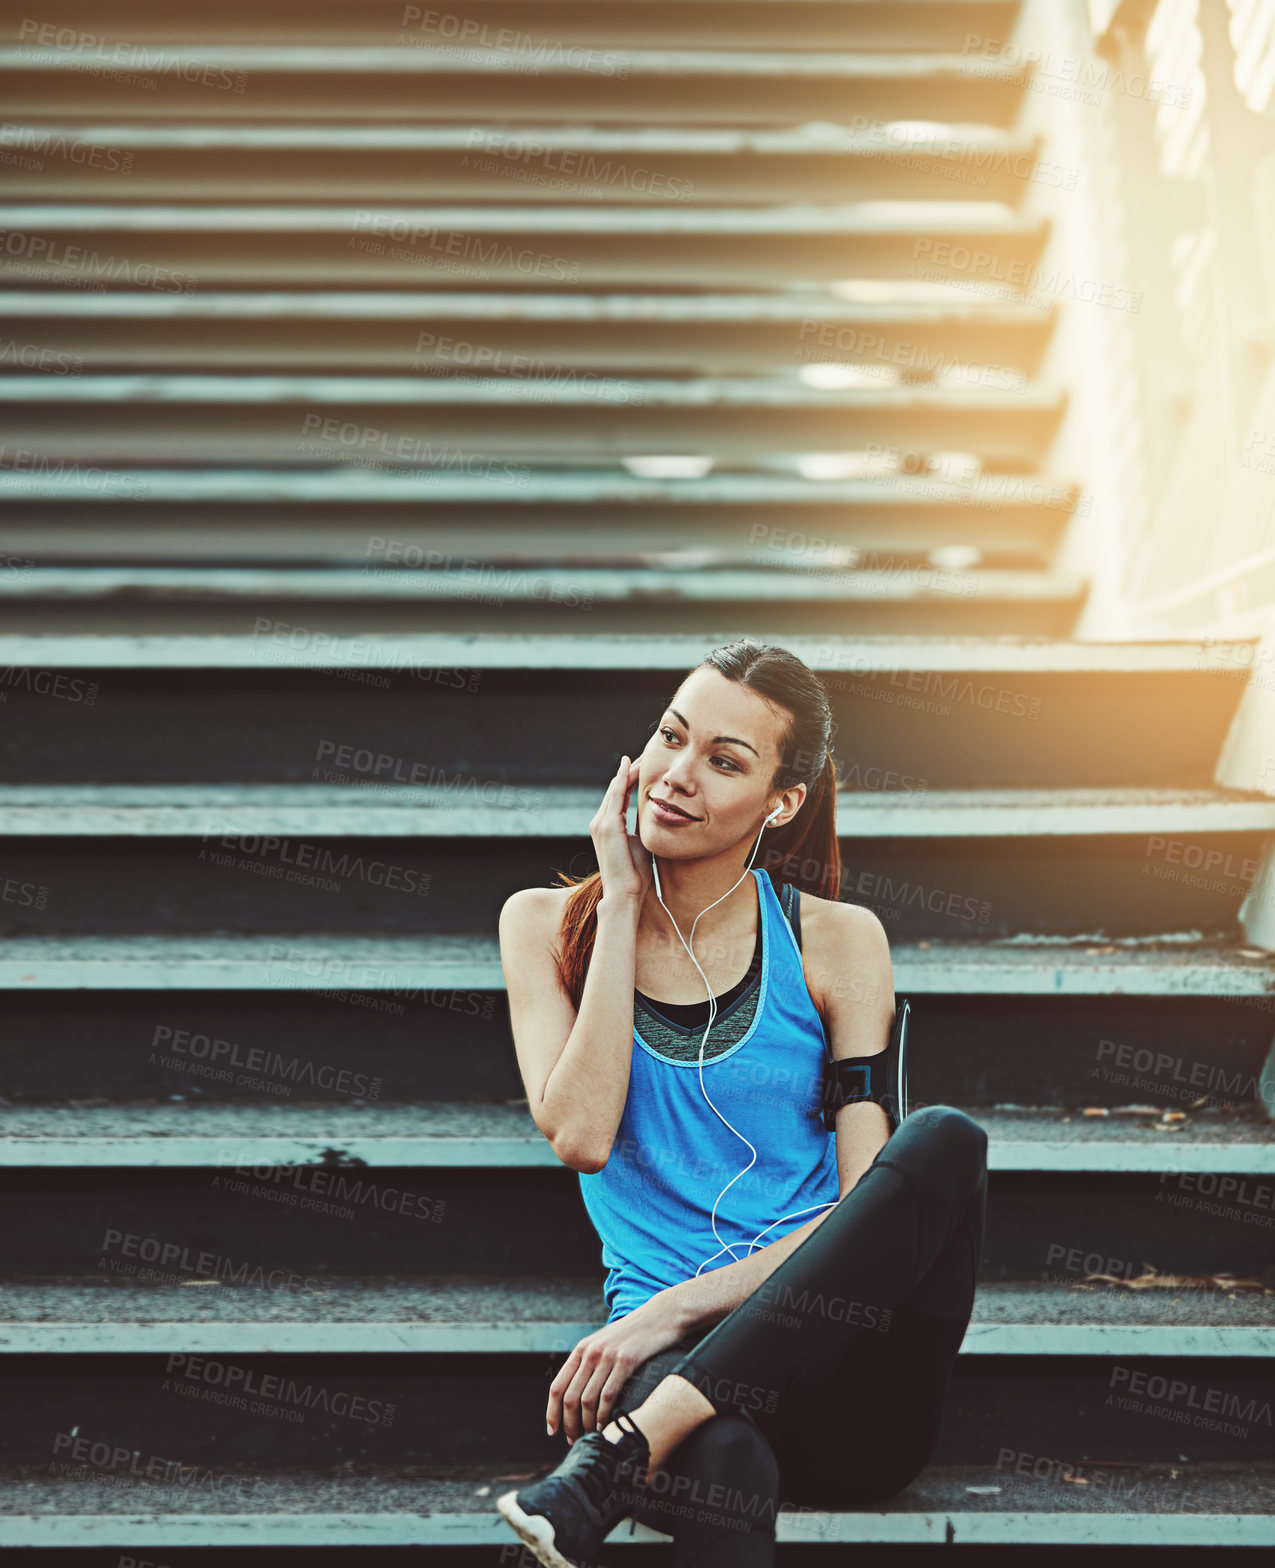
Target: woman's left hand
{"x":583,"y":1395}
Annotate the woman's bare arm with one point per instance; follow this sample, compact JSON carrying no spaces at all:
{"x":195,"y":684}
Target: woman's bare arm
{"x":575,"y":1067}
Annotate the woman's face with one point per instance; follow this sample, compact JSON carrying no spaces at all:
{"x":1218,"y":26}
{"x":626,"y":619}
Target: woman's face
{"x":712,"y":756}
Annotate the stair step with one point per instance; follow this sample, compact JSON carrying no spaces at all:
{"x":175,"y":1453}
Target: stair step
{"x":416,"y":810}
{"x":452,"y":1206}
{"x":524,"y":334}
{"x":324,"y":517}
{"x":539,"y":600}
{"x":1050,"y":613}
{"x":571,"y":587}
{"x":513,"y":162}
{"x":1157,"y":966}
{"x":493,"y":419}
{"x":109,"y":1315}
{"x":371,"y":83}
{"x":936,"y":712}
{"x":450,"y":867}
{"x":482,"y":651}
{"x":184,"y":249}
{"x":348,"y":1139}
{"x":563,"y":31}
{"x":1180,"y":1506}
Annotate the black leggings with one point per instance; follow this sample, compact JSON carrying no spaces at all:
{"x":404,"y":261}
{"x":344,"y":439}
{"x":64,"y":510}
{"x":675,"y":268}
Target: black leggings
{"x":835,"y":1370}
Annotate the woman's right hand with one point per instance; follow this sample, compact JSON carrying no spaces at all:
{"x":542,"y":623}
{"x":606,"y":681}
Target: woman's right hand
{"x":623,"y":860}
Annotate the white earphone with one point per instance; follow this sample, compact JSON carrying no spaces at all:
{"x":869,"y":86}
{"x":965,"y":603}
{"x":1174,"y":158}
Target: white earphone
{"x":712,"y":1013}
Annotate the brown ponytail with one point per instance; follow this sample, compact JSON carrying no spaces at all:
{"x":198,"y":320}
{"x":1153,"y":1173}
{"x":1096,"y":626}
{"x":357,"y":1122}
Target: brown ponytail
{"x":804,"y":851}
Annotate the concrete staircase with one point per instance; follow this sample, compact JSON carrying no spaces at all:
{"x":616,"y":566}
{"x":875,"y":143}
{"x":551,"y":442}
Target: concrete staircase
{"x":347,"y":548}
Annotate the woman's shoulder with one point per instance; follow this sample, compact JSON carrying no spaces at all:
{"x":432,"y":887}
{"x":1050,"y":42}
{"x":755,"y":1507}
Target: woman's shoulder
{"x":845,"y":952}
{"x":833,"y":919}
{"x":534,"y":908}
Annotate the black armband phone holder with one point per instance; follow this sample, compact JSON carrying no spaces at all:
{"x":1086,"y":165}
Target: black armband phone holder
{"x":881,"y":1077}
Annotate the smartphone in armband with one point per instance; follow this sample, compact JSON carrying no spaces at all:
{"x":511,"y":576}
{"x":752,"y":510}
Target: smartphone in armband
{"x":881,"y":1077}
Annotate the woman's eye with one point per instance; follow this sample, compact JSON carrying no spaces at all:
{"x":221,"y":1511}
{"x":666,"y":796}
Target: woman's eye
{"x":671,"y":735}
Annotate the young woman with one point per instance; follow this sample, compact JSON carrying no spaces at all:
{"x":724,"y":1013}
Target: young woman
{"x":785,"y":1303}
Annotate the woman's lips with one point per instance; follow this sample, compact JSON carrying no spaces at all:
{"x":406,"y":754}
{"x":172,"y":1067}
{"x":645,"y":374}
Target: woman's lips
{"x":668,"y":815}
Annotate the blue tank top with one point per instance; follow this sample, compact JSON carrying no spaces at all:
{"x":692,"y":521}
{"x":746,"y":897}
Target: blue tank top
{"x":651,"y":1202}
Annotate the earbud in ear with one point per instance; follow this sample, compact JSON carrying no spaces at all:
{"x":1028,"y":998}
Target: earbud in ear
{"x":775,"y":813}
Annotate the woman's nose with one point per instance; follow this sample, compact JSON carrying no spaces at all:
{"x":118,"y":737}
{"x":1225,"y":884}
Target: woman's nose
{"x":681,"y":774}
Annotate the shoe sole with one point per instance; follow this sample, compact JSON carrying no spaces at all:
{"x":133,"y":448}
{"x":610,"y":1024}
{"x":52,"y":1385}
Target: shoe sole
{"x":535,"y":1530}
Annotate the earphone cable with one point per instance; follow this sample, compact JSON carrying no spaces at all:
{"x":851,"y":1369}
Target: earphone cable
{"x":712,"y":1014}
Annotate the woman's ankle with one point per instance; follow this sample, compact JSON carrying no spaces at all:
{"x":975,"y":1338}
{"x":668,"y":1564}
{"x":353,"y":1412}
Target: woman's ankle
{"x":670,"y":1413}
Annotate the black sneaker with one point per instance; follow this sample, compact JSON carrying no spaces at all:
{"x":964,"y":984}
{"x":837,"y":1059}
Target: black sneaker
{"x":565,"y":1518}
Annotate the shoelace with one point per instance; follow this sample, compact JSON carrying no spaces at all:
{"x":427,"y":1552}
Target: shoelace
{"x":596,"y":1469}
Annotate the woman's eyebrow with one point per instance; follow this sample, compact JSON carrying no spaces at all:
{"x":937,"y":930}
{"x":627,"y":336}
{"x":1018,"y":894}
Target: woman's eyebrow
{"x":720,"y":740}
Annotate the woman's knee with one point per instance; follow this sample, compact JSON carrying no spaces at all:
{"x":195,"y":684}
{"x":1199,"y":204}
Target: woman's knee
{"x":733,"y":1444}
{"x":829,"y":1483}
{"x":723,"y":1475}
{"x":962,"y":1138}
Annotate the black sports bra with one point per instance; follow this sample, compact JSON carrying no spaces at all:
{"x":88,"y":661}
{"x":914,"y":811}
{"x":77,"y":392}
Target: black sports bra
{"x":689,"y":1014}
